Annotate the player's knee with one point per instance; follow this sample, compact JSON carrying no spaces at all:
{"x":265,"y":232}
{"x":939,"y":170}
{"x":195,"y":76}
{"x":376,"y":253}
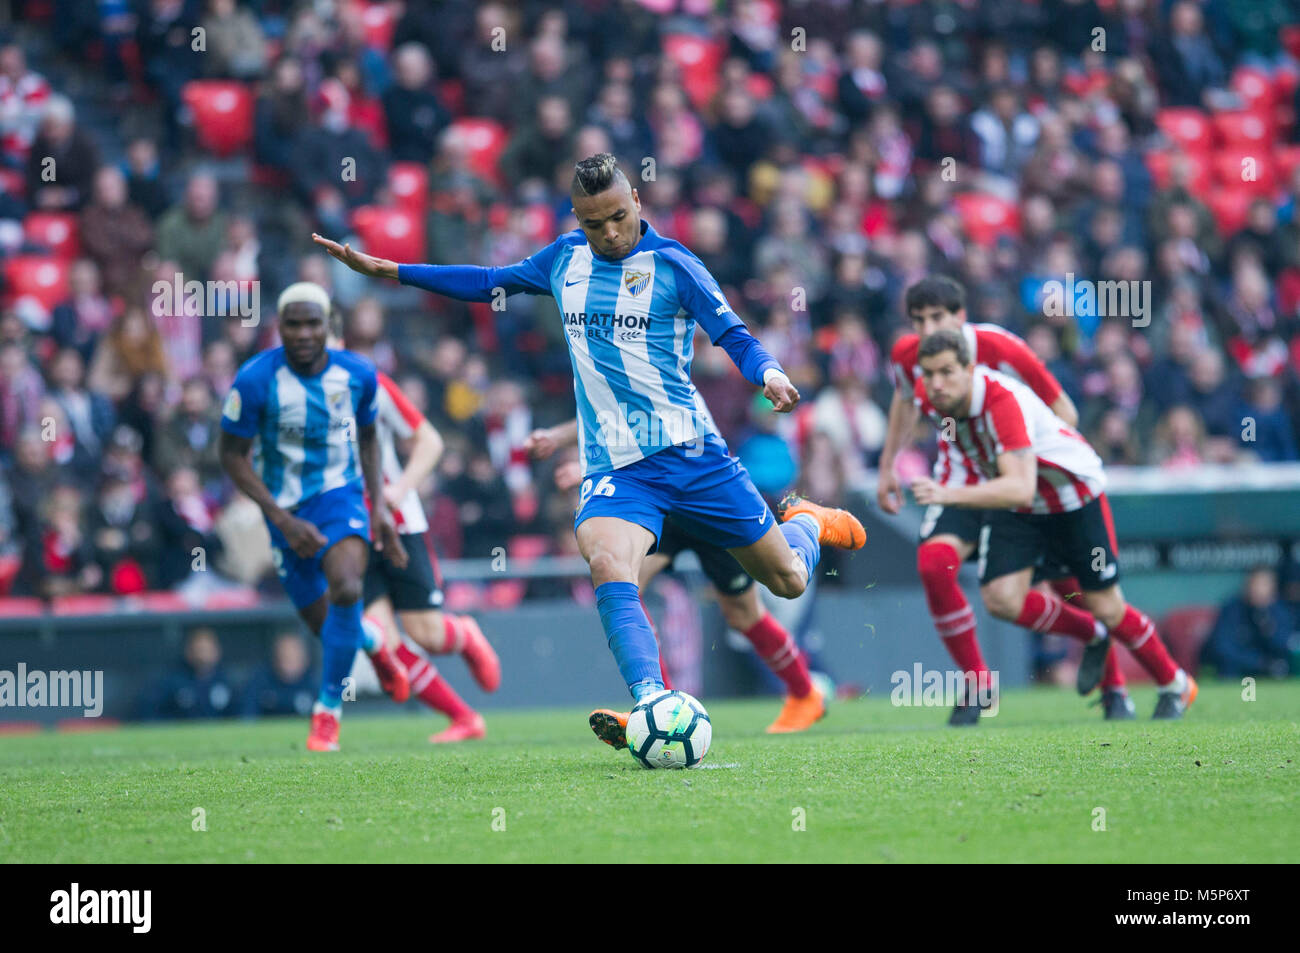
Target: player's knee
{"x":425,"y":629}
{"x":345,"y":592}
{"x":937,"y":564}
{"x":1004,"y":603}
{"x":788,"y":584}
{"x":607,"y":567}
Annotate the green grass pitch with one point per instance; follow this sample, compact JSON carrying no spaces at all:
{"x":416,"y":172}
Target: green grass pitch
{"x":870,"y":783}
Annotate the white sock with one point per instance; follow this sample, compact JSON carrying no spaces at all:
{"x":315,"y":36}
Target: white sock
{"x":1178,"y":685}
{"x":320,"y":706}
{"x":1099,"y":632}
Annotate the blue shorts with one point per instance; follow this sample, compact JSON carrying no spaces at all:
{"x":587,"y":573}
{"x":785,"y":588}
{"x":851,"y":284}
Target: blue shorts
{"x":708,"y":493}
{"x":337,"y":513}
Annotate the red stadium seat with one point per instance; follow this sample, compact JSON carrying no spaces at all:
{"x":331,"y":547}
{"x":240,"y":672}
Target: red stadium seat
{"x":1244,"y":129}
{"x":986,"y":217}
{"x":395,"y":233}
{"x":223,"y":114}
{"x":12,"y":182}
{"x":379,"y":23}
{"x":486,"y":140}
{"x":56,"y":232}
{"x":1186,"y":126}
{"x":1254,"y":85}
{"x":87,"y":604}
{"x":1286,"y":159}
{"x":1185,"y":631}
{"x":1291,"y":40}
{"x":1230,"y":169}
{"x":1158,"y":164}
{"x":41,"y":278}
{"x":700,"y":61}
{"x":1229,"y":207}
{"x":19,"y":606}
{"x":409,"y":183}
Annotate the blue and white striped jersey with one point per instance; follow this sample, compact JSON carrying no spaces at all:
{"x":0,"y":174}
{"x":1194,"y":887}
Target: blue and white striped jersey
{"x":304,"y":429}
{"x":630,"y":324}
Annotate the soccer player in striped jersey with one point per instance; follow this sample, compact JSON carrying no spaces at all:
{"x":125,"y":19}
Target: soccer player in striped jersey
{"x":1048,"y":487}
{"x":950,"y":536}
{"x":629,"y":300}
{"x":733,"y":588}
{"x":307,"y":414}
{"x":413,"y":594}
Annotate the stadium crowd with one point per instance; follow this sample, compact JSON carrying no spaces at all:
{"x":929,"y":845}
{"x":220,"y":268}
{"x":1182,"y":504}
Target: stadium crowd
{"x":818,"y":156}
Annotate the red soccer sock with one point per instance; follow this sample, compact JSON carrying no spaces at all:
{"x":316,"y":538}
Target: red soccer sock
{"x":1068,"y":588}
{"x":1050,"y":614}
{"x":431,"y":688}
{"x":454,"y":635}
{"x":1139,"y":633}
{"x":776,"y":647}
{"x":954,"y":619}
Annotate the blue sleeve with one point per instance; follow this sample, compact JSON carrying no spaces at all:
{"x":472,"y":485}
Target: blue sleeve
{"x":476,"y":283}
{"x":368,"y":405}
{"x":748,"y":353}
{"x":699,"y":295}
{"x":241,"y":415}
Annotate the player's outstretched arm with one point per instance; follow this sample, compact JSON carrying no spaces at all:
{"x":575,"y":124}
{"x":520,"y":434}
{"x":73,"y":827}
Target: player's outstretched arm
{"x":426,"y":451}
{"x":358,"y":261}
{"x":303,"y":537}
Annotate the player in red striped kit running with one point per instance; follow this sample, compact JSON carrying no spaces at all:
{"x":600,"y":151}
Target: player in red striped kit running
{"x":950,"y":536}
{"x":414,"y":595}
{"x":1046,"y":485}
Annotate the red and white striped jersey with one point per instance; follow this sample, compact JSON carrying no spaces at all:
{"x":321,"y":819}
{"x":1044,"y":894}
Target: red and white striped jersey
{"x":992,"y":347}
{"x":21,"y":105}
{"x":1005,"y":415}
{"x":397,"y":420}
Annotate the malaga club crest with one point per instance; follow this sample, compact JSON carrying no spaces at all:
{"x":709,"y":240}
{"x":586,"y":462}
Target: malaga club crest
{"x":635,"y":281}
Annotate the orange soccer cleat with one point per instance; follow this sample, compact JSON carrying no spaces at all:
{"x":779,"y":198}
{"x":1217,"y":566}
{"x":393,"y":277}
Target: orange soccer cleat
{"x":798,"y":714}
{"x":392,"y":675}
{"x":610,"y":727}
{"x":836,"y":527}
{"x":480,"y":656}
{"x":324,"y":734}
{"x":466,"y":728}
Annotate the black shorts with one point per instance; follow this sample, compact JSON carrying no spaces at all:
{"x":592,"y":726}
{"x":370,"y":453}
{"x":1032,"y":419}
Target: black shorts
{"x":1081,"y":541}
{"x":965,"y":524}
{"x":417,"y":587}
{"x":719,"y":566}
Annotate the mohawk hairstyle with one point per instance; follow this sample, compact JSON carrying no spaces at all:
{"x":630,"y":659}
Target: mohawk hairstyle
{"x":595,"y":174}
{"x":945,"y":340}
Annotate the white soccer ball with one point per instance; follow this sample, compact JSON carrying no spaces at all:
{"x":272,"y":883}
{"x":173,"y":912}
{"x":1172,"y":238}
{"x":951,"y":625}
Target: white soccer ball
{"x":669,"y":730}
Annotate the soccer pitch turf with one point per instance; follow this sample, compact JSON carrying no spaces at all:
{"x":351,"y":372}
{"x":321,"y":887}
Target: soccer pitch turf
{"x":869,"y":783}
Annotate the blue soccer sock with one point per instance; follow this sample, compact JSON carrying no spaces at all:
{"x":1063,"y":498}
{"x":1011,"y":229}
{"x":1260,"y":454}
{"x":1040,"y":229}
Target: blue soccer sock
{"x":340,"y":637}
{"x":803,"y":534}
{"x":630,"y":637}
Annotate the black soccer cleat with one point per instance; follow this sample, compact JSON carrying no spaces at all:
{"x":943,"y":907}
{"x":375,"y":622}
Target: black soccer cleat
{"x":1091,"y":665}
{"x":1169,"y":707}
{"x":963,"y":714}
{"x":1117,"y":706}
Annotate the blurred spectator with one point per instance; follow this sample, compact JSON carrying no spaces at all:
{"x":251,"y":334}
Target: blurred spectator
{"x":124,"y":537}
{"x":79,"y":321}
{"x":236,"y":46}
{"x":59,"y":559}
{"x":414,"y":113}
{"x":1266,"y":428}
{"x":143,"y":173}
{"x":115,"y":233}
{"x":187,"y":542}
{"x":191,"y":233}
{"x":189,"y":437}
{"x":21,"y":389}
{"x":90,"y":414}
{"x":1255,"y":633}
{"x":197,"y":687}
{"x":23,"y":95}
{"x":62,"y":160}
{"x":1185,"y":59}
{"x":131,"y":349}
{"x":280,"y":115}
{"x":285,"y":685}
